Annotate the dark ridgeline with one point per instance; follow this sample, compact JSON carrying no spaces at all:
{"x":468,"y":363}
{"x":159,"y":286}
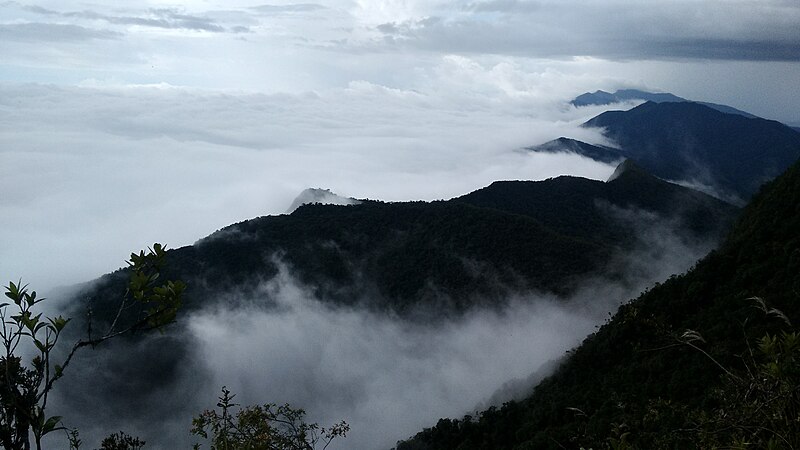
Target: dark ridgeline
{"x":422,"y":261}
{"x":474,"y":250}
{"x":631,"y":372}
{"x":600,"y":153}
{"x":626,"y":95}
{"x":732,"y":155}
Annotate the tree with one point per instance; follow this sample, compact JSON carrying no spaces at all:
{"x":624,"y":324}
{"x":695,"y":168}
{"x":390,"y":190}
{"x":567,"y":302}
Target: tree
{"x":261,"y":427}
{"x":24,"y":388}
{"x":121,"y":441}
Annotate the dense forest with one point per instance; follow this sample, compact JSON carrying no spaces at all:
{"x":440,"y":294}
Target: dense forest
{"x":705,"y":359}
{"x":469,"y":251}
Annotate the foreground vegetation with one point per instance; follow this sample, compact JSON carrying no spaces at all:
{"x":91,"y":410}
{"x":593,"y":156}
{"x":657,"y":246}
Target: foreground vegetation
{"x":146,"y":305}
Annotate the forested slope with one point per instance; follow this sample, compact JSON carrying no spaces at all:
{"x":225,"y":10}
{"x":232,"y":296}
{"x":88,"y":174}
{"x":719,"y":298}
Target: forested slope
{"x":511,"y":236}
{"x":636,"y":376}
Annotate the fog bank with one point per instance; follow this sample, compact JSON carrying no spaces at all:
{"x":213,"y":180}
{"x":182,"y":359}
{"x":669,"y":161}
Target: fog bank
{"x":386,"y":376}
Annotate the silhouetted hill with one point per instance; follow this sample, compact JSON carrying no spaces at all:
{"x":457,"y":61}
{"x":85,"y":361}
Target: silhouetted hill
{"x":693,"y":143}
{"x":566,"y":145}
{"x":631,"y":374}
{"x":324,"y":196}
{"x":476,"y":249}
{"x":623,"y":95}
{"x":600,"y":97}
{"x":570,"y":204}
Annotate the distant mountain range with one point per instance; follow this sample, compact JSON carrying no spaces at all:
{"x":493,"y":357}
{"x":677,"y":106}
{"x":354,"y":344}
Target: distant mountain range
{"x":627,"y":95}
{"x":727,"y":155}
{"x":633,"y":381}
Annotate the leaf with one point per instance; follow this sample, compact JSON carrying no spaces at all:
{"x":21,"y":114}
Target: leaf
{"x":50,"y":425}
{"x":690,"y":336}
{"x":40,"y":345}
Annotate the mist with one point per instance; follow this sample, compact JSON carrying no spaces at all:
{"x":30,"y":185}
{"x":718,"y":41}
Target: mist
{"x":386,"y":376}
{"x":90,"y":174}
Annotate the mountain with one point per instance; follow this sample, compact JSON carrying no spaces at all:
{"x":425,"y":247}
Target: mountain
{"x":322,"y":196}
{"x":635,"y":381}
{"x":626,"y":95}
{"x":423,"y":266}
{"x":727,"y":153}
{"x":508,"y":237}
{"x":597,"y":152}
{"x":606,"y":98}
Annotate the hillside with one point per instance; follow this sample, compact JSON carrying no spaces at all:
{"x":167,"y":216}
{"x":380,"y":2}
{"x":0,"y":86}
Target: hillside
{"x":726,"y":155}
{"x":472,"y":250}
{"x":631,"y":373}
{"x":415,"y":270}
{"x":597,"y":152}
{"x":690,"y":142}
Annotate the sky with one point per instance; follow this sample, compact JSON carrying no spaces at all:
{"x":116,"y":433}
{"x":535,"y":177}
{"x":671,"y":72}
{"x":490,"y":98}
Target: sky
{"x":131,"y":122}
{"x":124,"y":123}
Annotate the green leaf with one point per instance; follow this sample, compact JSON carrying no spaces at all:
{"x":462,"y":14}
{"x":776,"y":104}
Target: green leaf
{"x":50,"y":425}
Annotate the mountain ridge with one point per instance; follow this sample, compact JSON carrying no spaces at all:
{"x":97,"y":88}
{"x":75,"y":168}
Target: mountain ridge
{"x":600,"y":97}
{"x":393,"y":251}
{"x":631,"y":371}
{"x":728,"y":156}
{"x":687,"y":141}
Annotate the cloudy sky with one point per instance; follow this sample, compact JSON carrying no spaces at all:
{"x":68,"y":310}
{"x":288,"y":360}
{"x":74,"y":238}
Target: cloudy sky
{"x":129,"y":122}
{"x":123,"y":123}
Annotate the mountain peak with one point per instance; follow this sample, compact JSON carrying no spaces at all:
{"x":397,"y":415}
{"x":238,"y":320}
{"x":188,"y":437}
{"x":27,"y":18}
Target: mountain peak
{"x":627,"y":167}
{"x":568,"y":145}
{"x":728,"y":155}
{"x":627,"y":95}
{"x":323,"y":196}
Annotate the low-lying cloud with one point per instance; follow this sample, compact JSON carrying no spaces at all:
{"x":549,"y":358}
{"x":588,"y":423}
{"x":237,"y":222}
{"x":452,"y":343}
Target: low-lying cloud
{"x":91,"y":174}
{"x":388,"y":377}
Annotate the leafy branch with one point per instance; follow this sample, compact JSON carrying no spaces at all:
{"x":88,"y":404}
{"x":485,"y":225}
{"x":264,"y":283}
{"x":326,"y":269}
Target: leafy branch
{"x":24,"y":390}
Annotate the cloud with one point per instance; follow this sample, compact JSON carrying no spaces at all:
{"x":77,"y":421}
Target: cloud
{"x":49,"y":32}
{"x":295,"y":47}
{"x":288,"y":9}
{"x":610,"y":30}
{"x":128,"y":166}
{"x":387,"y":377}
{"x":168,"y":18}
